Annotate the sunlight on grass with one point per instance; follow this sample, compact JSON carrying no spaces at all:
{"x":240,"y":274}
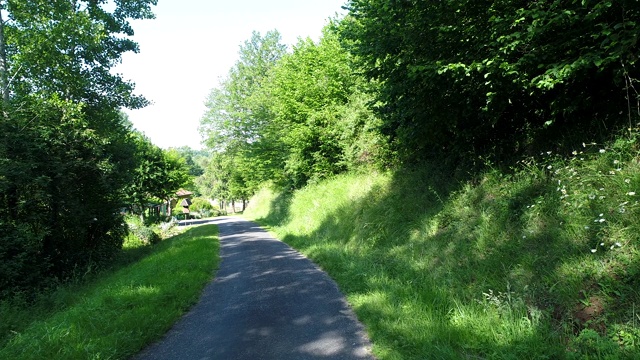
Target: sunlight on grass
{"x":122,"y":312}
{"x":541,"y":261}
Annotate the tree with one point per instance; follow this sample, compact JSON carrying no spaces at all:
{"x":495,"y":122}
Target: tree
{"x":65,"y":150}
{"x":304,"y":119}
{"x":309,"y":90}
{"x":467,"y":79}
{"x":157,"y":176}
{"x":237,"y":118}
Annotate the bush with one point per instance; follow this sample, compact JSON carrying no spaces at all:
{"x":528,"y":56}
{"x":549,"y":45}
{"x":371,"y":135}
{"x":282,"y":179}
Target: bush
{"x":146,"y":234}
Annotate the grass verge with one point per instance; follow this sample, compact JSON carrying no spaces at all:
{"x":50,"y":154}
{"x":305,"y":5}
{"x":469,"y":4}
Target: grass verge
{"x":538,"y":262}
{"x":121,"y":311}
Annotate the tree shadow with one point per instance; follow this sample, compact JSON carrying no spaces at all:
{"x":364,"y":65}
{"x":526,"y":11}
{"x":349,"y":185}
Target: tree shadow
{"x":407,"y":245}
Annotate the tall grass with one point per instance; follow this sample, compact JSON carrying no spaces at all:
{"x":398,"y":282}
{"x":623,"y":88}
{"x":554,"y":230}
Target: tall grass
{"x":118,"y":313}
{"x":541,"y":261}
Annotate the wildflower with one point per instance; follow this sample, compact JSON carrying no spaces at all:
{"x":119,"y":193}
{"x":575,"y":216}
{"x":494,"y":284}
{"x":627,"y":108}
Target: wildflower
{"x":601,"y":220}
{"x":548,"y":152}
{"x":602,"y":151}
{"x":618,"y":244}
{"x":601,"y":189}
{"x":612,"y":172}
{"x":594,"y":250}
{"x":586,"y":228}
{"x":627,"y":180}
{"x":616,"y":162}
{"x":574,"y":153}
{"x":601,"y":244}
{"x":591,"y":196}
{"x":549,"y":167}
{"x":631,"y":193}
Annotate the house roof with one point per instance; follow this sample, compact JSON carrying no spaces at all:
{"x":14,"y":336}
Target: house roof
{"x":183,"y":193}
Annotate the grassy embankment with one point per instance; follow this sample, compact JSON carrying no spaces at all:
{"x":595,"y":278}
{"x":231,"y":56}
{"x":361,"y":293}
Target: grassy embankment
{"x":118,"y":312}
{"x":541,"y":262}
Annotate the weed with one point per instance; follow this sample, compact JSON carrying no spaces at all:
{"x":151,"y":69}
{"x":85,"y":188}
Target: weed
{"x":560,"y":230}
{"x":118,"y":312}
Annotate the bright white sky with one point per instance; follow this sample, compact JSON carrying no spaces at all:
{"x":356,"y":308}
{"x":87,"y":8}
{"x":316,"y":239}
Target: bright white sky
{"x":192,"y":44}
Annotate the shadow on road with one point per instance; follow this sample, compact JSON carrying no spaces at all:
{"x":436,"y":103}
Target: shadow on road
{"x":267,"y":302}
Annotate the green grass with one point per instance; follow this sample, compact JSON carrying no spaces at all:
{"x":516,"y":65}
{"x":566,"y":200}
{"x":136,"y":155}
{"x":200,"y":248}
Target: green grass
{"x":541,"y":261}
{"x":117,"y":313}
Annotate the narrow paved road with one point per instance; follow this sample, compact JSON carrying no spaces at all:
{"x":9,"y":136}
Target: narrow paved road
{"x":267,"y":302}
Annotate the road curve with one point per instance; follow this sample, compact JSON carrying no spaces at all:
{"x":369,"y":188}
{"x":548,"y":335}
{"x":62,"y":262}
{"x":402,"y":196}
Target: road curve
{"x":267,"y":302}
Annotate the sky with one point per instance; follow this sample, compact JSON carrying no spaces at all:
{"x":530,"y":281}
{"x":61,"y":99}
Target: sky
{"x":192,"y":44}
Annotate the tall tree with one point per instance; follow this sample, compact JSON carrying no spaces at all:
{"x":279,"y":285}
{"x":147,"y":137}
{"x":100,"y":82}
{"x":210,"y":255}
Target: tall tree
{"x":65,"y":150}
{"x":495,"y":78}
{"x":157,"y":176}
{"x":238,"y":112}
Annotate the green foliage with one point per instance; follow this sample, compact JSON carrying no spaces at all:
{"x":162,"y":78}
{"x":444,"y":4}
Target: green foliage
{"x":235,"y":124}
{"x":540,"y":261}
{"x":203,"y":207}
{"x":290,"y":118}
{"x":157,"y":176}
{"x":66,"y":153}
{"x":467,"y":79}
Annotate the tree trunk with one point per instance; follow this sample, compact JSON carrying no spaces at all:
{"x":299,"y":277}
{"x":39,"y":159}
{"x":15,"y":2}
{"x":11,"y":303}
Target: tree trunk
{"x":4,"y":77}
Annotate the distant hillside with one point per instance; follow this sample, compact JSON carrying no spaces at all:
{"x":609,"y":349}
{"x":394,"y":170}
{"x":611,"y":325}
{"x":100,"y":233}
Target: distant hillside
{"x":542,"y":261}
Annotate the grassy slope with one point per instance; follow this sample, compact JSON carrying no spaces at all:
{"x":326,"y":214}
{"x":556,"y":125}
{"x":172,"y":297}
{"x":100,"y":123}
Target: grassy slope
{"x":543,"y":262}
{"x":119,"y":313}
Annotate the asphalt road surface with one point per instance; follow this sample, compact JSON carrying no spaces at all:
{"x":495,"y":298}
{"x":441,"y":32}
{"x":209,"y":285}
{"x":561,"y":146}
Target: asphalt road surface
{"x":266,"y":302}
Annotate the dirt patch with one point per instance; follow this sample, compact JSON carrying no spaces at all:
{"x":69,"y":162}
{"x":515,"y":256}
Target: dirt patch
{"x":589,"y":314}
